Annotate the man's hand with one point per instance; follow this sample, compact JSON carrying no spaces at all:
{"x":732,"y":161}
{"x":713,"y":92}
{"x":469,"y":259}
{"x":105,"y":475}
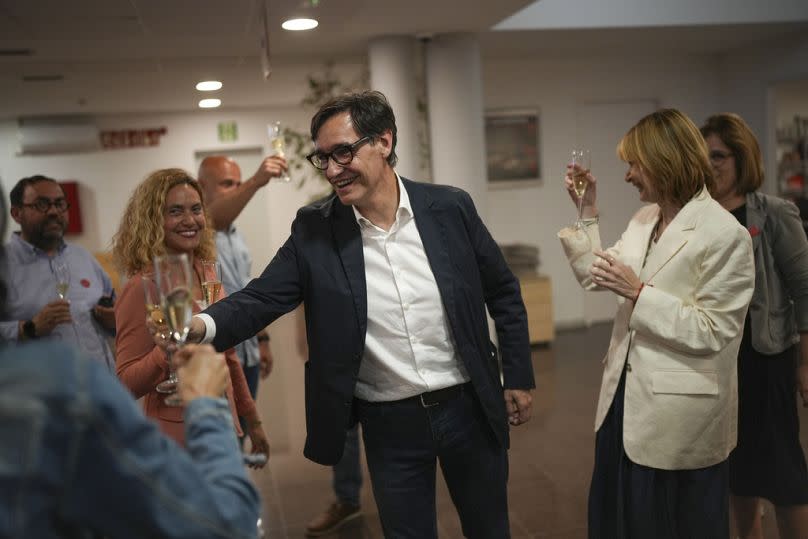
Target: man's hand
{"x":267,"y":361}
{"x":271,"y":167}
{"x":51,"y":315}
{"x":105,"y":316}
{"x":197,"y":331}
{"x":519,"y":404}
{"x":202,"y":372}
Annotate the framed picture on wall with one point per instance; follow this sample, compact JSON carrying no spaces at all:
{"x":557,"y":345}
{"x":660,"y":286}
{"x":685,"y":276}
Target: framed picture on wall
{"x":512,"y":147}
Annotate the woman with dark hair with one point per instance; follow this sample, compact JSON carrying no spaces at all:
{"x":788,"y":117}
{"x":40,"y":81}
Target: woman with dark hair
{"x":773,"y":360}
{"x":682,"y":272}
{"x":166,"y":215}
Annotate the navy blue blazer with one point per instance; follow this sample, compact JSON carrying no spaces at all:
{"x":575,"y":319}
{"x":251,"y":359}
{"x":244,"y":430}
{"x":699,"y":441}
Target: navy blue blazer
{"x":322,"y":264}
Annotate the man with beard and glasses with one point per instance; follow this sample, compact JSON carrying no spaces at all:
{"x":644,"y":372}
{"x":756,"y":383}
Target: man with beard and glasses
{"x":37,"y":256}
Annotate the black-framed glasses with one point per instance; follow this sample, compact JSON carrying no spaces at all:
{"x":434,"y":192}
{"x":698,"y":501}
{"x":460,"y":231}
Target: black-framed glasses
{"x":342,"y":155}
{"x":43,"y":204}
{"x":717,"y":157}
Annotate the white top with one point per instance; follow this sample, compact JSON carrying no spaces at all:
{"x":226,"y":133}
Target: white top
{"x":408,"y":347}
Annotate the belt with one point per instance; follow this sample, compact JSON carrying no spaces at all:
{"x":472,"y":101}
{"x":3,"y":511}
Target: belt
{"x":433,"y":398}
{"x":428,"y":399}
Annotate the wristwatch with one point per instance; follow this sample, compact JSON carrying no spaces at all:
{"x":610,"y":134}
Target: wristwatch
{"x":29,"y":329}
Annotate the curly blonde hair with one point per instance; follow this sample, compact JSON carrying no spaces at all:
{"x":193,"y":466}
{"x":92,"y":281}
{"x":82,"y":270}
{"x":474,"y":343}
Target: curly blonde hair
{"x":140,"y":236}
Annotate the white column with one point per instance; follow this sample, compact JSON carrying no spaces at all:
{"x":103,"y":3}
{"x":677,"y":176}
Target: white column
{"x":455,"y":109}
{"x":393,"y":72}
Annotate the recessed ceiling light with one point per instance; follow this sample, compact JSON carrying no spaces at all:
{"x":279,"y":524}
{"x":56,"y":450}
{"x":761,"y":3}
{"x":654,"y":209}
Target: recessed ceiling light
{"x":299,"y":24}
{"x":209,"y":103}
{"x":208,"y":85}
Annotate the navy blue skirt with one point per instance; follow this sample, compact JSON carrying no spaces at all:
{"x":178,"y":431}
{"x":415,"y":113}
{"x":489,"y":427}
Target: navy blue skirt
{"x":631,"y":501}
{"x":768,"y":461}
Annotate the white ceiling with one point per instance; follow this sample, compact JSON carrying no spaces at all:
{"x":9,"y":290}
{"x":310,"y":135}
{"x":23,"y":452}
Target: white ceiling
{"x":113,"y":56}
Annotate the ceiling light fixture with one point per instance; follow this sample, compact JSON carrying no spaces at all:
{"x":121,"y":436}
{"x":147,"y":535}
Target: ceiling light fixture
{"x":209,"y":103}
{"x":299,"y":24}
{"x":208,"y":85}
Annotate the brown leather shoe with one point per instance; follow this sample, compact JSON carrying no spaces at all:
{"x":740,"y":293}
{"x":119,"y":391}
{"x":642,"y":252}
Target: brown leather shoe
{"x":336,"y":515}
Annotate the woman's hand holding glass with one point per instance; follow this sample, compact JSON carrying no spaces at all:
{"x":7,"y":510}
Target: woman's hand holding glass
{"x":613,"y":275}
{"x":175,"y":283}
{"x":157,"y":327}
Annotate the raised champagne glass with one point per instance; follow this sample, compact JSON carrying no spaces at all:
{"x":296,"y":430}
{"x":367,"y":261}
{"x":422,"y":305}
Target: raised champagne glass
{"x":175,"y":285}
{"x":211,"y":283}
{"x":581,"y":162}
{"x":278,"y":142}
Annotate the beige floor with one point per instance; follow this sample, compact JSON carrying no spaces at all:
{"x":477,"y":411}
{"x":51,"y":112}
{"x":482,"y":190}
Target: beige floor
{"x":551,"y":459}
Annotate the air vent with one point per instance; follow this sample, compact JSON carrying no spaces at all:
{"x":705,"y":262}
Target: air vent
{"x":16,"y":52}
{"x":57,"y":134}
{"x":42,"y":78}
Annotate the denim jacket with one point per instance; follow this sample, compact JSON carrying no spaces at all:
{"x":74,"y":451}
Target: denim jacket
{"x":779,"y":307}
{"x":78,"y":458}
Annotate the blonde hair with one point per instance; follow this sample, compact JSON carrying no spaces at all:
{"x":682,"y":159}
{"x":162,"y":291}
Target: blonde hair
{"x":738,"y":137}
{"x":669,"y":148}
{"x":140,"y":236}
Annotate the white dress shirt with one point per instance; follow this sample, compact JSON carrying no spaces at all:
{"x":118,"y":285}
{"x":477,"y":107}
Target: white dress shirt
{"x":408,"y":346}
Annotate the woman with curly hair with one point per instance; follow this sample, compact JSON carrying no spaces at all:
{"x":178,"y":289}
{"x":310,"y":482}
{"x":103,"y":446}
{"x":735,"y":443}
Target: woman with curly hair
{"x":166,"y":215}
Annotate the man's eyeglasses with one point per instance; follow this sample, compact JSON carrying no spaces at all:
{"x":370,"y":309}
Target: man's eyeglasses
{"x":717,"y":157}
{"x":43,"y":204}
{"x":342,"y":155}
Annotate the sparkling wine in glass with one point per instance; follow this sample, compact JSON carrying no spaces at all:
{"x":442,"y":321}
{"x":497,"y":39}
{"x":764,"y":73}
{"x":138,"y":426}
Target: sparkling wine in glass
{"x":581,"y":163}
{"x":62,"y":274}
{"x":278,"y":143}
{"x":154,"y":311}
{"x":211,"y":283}
{"x":175,"y":285}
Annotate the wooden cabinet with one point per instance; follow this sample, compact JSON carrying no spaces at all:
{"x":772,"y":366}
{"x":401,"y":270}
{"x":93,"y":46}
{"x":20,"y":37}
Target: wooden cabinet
{"x":537,"y":294}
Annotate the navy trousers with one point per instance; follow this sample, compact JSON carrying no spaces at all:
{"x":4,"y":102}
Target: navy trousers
{"x":631,"y":501}
{"x":404,"y":441}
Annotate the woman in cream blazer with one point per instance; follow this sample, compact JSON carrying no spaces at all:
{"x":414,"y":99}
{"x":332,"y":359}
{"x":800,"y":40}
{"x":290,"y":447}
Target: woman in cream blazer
{"x":683,"y":273}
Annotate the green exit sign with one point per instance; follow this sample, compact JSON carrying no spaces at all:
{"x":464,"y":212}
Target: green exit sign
{"x":228,"y":131}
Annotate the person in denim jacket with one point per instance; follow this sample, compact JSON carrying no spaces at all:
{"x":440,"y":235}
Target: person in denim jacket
{"x":79,"y":459}
{"x":773,"y":359}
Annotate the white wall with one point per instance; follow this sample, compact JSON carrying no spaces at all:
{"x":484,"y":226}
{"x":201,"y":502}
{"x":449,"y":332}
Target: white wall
{"x":749,"y":78}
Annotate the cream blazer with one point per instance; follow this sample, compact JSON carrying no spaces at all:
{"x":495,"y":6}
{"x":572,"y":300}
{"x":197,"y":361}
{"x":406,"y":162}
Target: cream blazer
{"x":679,"y":343}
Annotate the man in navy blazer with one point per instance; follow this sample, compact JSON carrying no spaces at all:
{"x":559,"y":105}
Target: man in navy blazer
{"x":395,"y":277}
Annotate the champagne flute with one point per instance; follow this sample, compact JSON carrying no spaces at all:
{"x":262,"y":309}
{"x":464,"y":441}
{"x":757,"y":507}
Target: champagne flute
{"x":61,"y":272}
{"x":278,"y":143}
{"x":154,"y":312}
{"x":581,"y":163}
{"x":211,"y":282}
{"x":175,"y":284}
